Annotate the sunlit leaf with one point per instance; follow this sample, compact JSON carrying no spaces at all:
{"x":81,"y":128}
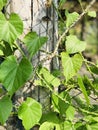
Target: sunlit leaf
{"x":94,"y":126}
{"x":51,"y":79}
{"x":10,"y":29}
{"x":68,"y":126}
{"x":71,"y":18}
{"x":13,"y":74}
{"x":70,"y":112}
{"x":74,"y":45}
{"x":49,"y":126}
{"x":5,"y":109}
{"x":30,"y":113}
{"x":71,"y":65}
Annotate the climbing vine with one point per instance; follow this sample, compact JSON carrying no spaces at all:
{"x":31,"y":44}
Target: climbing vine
{"x":15,"y":72}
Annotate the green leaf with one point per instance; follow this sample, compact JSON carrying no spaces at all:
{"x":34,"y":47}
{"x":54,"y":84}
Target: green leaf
{"x":88,"y":127}
{"x":5,"y":108}
{"x":30,"y":113}
{"x":13,"y":74}
{"x":78,"y":126}
{"x":2,"y":4}
{"x":6,"y":48}
{"x":50,"y":120}
{"x":94,"y":69}
{"x":10,"y":29}
{"x":60,"y":105}
{"x":49,"y":78}
{"x":70,"y":112}
{"x":71,"y":65}
{"x":71,"y":18}
{"x":83,"y":89}
{"x":92,"y":14}
{"x":68,"y":126}
{"x":34,"y":42}
{"x":91,"y":118}
{"x":74,"y":45}
{"x":94,"y":126}
{"x":50,"y":117}
{"x":49,"y":126}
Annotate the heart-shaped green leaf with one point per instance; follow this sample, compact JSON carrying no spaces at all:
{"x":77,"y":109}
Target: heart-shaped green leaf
{"x":5,"y":109}
{"x":33,"y":42}
{"x":71,"y":18}
{"x":30,"y":113}
{"x":74,"y":45}
{"x":71,"y":65}
{"x":13,"y":74}
{"x":2,"y":3}
{"x":10,"y":29}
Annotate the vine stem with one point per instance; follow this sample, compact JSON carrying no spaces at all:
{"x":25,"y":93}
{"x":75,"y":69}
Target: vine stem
{"x":67,"y":30}
{"x":18,"y":47}
{"x":72,"y":25}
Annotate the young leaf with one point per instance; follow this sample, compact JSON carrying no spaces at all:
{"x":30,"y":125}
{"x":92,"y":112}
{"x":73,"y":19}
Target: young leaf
{"x":74,"y":45}
{"x":30,"y":113}
{"x":49,"y":126}
{"x":5,"y":108}
{"x":51,"y":79}
{"x":13,"y":74}
{"x":82,"y":87}
{"x":68,"y":126}
{"x":70,"y":112}
{"x":2,"y":4}
{"x":92,"y":14}
{"x":33,"y":42}
{"x":71,"y":18}
{"x":10,"y":29}
{"x":71,"y":65}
